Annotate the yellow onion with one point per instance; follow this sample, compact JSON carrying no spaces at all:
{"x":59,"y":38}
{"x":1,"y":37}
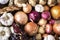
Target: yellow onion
{"x":56,"y":27}
{"x":55,"y":11}
{"x":27,"y":8}
{"x":21,"y":18}
{"x":31,"y":28}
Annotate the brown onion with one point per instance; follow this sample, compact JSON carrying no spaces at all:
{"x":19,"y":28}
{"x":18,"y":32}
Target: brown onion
{"x":48,"y":28}
{"x":27,"y":8}
{"x":31,"y":28}
{"x":56,"y":27}
{"x":55,"y":11}
{"x":46,"y":8}
{"x":21,"y":17}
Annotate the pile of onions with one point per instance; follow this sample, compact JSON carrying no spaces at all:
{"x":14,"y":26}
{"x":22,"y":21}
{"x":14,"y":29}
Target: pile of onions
{"x":45,"y":15}
{"x":34,"y":16}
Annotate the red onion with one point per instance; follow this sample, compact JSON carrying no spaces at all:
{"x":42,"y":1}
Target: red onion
{"x":52,"y":21}
{"x":34,"y":16}
{"x":49,"y":28}
{"x":45,"y":15}
{"x":16,"y":28}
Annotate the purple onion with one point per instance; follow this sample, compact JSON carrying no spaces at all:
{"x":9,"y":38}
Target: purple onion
{"x":45,"y":15}
{"x":16,"y":28}
{"x":51,"y":21}
{"x":34,"y":16}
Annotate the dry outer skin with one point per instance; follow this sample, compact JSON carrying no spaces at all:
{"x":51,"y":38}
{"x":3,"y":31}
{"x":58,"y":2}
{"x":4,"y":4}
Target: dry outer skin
{"x":9,"y":8}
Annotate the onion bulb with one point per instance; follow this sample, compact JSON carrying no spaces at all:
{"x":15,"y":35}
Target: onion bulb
{"x":48,"y":28}
{"x":21,"y":18}
{"x":34,"y":16}
{"x":46,"y":15}
{"x":55,"y":11}
{"x":42,"y":22}
{"x":52,"y":21}
{"x":31,"y":28}
{"x":27,"y":8}
{"x":56,"y":27}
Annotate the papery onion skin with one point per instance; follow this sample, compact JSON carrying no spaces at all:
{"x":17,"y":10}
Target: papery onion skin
{"x":21,"y":18}
{"x":34,"y":16}
{"x":45,"y":15}
{"x":56,"y":28}
{"x":55,"y":11}
{"x":31,"y":28}
{"x":49,"y":28}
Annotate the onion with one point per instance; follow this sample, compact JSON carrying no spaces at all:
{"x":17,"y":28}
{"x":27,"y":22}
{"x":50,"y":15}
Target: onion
{"x":21,"y":18}
{"x":34,"y":16}
{"x":31,"y":28}
{"x":27,"y":8}
{"x":52,"y":21}
{"x":42,"y":22}
{"x":48,"y":28}
{"x":45,"y":15}
{"x":46,"y":8}
{"x":56,"y":27}
{"x":55,"y":11}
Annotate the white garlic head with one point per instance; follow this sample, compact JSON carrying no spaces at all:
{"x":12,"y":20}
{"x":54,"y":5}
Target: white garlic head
{"x":49,"y":37}
{"x":39,"y":8}
{"x":4,"y":33}
{"x":3,"y":1}
{"x":6,"y":19}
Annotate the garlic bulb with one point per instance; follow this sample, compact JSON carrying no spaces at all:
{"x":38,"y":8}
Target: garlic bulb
{"x":6,"y":19}
{"x":49,"y":37}
{"x":3,"y":1}
{"x":39,"y":8}
{"x":4,"y":33}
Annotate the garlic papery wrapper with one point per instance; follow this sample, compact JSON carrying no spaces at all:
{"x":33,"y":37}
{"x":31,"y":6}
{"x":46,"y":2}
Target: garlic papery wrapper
{"x":3,"y":1}
{"x":7,"y":19}
{"x":4,"y":33}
